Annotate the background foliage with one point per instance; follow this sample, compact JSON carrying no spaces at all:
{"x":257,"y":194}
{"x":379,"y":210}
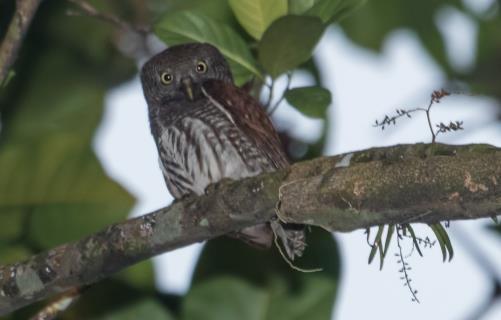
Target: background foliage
{"x":53,"y":189}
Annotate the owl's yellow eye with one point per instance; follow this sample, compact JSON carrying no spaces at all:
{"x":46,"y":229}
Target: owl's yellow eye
{"x":166,"y":78}
{"x":201,"y":67}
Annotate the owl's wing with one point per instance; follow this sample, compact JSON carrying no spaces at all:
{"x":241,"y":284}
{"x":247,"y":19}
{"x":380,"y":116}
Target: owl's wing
{"x":248,"y":115}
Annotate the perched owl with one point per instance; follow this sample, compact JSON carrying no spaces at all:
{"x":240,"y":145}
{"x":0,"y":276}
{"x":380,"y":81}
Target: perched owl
{"x":207,"y":129}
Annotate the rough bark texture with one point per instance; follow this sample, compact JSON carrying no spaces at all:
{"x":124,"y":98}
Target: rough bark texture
{"x":25,"y":10}
{"x":401,"y":184}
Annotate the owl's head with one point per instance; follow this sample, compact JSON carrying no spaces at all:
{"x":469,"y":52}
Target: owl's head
{"x":178,"y":72}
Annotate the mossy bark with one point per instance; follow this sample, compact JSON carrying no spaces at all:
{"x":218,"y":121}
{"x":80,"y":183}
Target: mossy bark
{"x":401,"y":184}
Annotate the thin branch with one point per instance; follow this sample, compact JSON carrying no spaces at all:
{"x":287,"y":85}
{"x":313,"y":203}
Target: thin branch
{"x":384,"y":185}
{"x":86,"y":9}
{"x":136,"y":38}
{"x":271,"y":87}
{"x":436,"y":97}
{"x":287,"y":86}
{"x":25,"y":11}
{"x":428,"y":117}
{"x":405,"y":266}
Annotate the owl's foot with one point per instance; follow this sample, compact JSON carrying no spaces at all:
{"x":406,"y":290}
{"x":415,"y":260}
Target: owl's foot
{"x":292,"y":238}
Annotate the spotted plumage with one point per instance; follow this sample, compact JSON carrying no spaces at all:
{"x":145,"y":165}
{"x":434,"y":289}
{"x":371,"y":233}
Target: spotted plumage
{"x":207,"y":129}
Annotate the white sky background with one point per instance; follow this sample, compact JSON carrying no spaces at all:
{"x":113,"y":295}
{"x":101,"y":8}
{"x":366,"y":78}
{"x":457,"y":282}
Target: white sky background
{"x":365,"y":87}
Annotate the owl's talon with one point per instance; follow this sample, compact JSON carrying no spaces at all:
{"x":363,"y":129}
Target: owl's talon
{"x":293,"y":241}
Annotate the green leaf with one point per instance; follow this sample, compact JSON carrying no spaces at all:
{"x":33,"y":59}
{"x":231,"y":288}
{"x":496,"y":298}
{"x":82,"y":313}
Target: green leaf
{"x":496,"y":228}
{"x":376,"y":246}
{"x":300,"y":6}
{"x":13,"y":253}
{"x":333,"y":10}
{"x":12,"y":223}
{"x":259,"y":281}
{"x":140,"y":276}
{"x":50,"y":177}
{"x":414,"y":239}
{"x":143,"y":309}
{"x":113,"y":299}
{"x":256,"y":15}
{"x":443,"y":240}
{"x":241,"y":300}
{"x":389,"y":235}
{"x":446,"y":240}
{"x":183,"y":27}
{"x":311,"y":101}
{"x":289,"y":42}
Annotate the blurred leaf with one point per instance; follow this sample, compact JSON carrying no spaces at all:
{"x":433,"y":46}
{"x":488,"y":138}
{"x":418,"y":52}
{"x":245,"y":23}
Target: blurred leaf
{"x":376,"y":20}
{"x":142,"y":309}
{"x":333,"y":10}
{"x":240,"y":299}
{"x":300,"y":6}
{"x":311,"y":67}
{"x":140,"y":276}
{"x":227,"y":264}
{"x":311,"y":101}
{"x":182,"y":27}
{"x":218,"y":10}
{"x":11,"y":254}
{"x":49,"y":114}
{"x":13,"y":221}
{"x":113,"y":299}
{"x":256,"y":15}
{"x":289,"y":42}
{"x":496,"y":228}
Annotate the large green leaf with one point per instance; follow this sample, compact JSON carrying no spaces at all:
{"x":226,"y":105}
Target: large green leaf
{"x":260,"y":284}
{"x":333,"y":10}
{"x":300,"y":6}
{"x":143,"y":309}
{"x":289,"y":42}
{"x":50,"y":179}
{"x":114,"y":299}
{"x":182,"y":27}
{"x":256,"y":15}
{"x":235,"y":298}
{"x":370,"y":25}
{"x":312,"y":101}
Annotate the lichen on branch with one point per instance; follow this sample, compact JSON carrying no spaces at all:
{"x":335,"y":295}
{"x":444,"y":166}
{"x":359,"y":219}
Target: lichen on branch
{"x":394,"y":185}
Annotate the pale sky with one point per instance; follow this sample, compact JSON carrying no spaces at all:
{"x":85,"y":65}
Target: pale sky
{"x":365,"y":87}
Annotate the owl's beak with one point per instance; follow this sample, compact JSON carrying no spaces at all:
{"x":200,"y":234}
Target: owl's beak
{"x":188,"y":87}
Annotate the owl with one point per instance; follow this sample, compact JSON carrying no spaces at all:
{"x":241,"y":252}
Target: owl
{"x":207,"y":129}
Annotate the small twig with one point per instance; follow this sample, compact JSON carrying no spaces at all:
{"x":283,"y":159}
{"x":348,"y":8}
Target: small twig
{"x":25,"y":11}
{"x":137,"y":34}
{"x":436,"y":97}
{"x":289,"y":79}
{"x":271,"y":87}
{"x":86,"y":9}
{"x":405,"y":268}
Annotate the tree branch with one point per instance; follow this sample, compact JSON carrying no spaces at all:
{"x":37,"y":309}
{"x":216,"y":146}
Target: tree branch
{"x":401,"y":184}
{"x":25,"y":10}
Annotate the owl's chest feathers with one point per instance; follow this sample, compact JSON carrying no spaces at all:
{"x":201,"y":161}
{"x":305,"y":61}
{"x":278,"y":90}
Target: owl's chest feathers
{"x":202,"y":145}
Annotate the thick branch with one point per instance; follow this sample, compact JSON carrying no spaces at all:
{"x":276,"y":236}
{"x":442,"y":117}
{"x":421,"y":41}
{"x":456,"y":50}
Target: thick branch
{"x":411,"y":183}
{"x":25,"y":10}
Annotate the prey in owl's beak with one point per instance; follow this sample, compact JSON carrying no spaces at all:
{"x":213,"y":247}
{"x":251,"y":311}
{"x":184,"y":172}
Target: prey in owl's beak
{"x":188,"y":88}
